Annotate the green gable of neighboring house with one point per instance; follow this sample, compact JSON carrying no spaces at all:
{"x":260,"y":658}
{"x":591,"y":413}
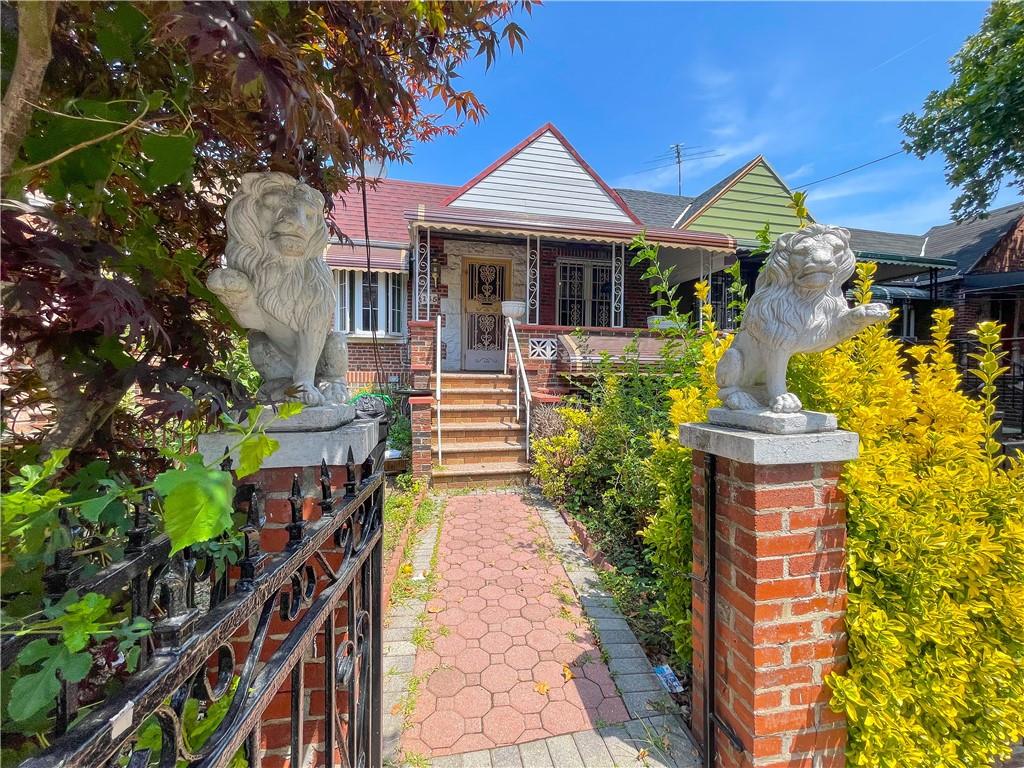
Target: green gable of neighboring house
{"x":741,"y":204}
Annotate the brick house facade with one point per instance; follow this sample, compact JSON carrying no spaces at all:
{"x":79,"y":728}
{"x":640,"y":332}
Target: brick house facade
{"x":564,"y":253}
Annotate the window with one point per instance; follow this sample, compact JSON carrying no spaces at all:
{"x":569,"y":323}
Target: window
{"x":370,"y":301}
{"x":584,"y":294}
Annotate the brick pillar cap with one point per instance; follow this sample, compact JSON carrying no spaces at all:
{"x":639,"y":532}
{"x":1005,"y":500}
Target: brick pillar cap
{"x":761,"y":449}
{"x":304,"y":449}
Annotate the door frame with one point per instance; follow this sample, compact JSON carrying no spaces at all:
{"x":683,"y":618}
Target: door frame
{"x":464,"y":314}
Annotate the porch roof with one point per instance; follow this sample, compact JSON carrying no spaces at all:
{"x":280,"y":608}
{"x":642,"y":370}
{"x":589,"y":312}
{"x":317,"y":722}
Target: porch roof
{"x":560,"y":227}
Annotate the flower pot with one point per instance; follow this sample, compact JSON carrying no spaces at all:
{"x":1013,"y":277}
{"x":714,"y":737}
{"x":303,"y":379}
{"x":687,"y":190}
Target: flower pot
{"x":513,"y":309}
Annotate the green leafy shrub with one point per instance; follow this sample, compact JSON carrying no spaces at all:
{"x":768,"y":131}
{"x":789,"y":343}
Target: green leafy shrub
{"x":594,"y":462}
{"x":935,"y":544}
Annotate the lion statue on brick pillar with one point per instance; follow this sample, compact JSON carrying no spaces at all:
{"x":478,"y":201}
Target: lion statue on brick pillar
{"x":797,"y":306}
{"x":276,"y":284}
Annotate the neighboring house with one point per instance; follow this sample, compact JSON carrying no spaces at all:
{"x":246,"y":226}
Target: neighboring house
{"x":987,"y":282}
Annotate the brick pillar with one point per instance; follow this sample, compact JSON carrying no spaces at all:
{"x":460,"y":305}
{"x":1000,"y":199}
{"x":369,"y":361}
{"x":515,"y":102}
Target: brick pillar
{"x":422,"y":458}
{"x":275,"y":481}
{"x":780,"y":588}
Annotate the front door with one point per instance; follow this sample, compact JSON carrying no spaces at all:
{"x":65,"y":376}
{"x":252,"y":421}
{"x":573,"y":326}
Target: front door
{"x":485,"y":285}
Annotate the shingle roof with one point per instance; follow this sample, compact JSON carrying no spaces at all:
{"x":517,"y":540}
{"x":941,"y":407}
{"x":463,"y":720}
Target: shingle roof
{"x":655,"y":209}
{"x":967,"y":243}
{"x":872,"y":241}
{"x":386,"y":203}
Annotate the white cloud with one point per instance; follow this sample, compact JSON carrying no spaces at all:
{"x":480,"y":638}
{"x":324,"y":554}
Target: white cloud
{"x":795,"y":175}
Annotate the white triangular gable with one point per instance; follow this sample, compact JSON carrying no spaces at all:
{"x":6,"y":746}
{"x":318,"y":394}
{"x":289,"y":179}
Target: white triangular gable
{"x":543,"y":178}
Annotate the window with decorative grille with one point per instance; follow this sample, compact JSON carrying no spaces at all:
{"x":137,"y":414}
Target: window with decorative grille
{"x":584,"y":294}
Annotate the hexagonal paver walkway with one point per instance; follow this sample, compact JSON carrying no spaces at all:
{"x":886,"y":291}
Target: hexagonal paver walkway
{"x":512,"y":657}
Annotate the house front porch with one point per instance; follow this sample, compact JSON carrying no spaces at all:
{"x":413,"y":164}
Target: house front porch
{"x":580,"y":295}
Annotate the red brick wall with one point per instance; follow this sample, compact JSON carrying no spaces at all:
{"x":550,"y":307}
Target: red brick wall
{"x":1008,"y":253}
{"x":394,"y":362}
{"x":781,"y":587}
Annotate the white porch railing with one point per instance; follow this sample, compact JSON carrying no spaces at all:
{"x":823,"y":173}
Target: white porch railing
{"x":522,"y":383}
{"x":437,"y":384}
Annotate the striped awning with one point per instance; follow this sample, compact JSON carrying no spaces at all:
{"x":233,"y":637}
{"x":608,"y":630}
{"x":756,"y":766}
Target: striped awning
{"x":890,"y":293}
{"x":354,"y":257}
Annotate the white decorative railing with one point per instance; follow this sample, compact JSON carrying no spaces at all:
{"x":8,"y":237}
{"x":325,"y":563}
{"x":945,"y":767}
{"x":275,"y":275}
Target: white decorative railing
{"x":522,"y":383}
{"x":437,"y":383}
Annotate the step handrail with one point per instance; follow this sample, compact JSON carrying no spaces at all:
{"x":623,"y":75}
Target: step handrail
{"x":437,"y":384}
{"x":527,"y":395}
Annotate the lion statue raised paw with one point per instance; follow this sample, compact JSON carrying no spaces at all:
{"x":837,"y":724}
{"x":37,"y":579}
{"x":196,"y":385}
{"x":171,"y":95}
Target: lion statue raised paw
{"x":797,"y":306}
{"x":277,"y":285}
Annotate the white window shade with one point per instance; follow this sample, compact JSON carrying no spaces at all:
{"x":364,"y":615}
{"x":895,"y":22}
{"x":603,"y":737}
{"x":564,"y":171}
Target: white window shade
{"x":370,"y":301}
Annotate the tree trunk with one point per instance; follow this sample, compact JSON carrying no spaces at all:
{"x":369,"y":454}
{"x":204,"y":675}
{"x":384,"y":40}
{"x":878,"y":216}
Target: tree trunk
{"x":77,"y":415}
{"x":35,"y":21}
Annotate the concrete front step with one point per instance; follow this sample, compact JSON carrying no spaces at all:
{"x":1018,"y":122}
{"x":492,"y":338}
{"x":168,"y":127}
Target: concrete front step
{"x":460,"y":453}
{"x":489,"y":475}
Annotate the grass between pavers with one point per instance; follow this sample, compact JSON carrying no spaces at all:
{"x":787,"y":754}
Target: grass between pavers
{"x":422,"y":590}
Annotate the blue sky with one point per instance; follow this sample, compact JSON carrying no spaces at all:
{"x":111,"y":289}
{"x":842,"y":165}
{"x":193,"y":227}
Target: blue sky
{"x":816,"y":87}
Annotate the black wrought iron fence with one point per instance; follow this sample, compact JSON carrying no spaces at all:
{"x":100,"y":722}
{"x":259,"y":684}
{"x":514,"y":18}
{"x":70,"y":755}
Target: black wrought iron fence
{"x":312,"y":610}
{"x":1009,"y":387}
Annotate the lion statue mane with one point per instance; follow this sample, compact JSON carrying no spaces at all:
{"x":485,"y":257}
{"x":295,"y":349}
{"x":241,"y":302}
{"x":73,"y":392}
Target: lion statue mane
{"x":277,"y":285}
{"x":797,"y":306}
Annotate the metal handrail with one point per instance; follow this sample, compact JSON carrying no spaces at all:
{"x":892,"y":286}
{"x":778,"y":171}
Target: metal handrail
{"x":437,"y":383}
{"x":510,"y":329}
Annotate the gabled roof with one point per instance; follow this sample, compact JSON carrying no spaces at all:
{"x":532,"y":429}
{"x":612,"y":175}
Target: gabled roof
{"x":969,"y":242}
{"x":654,"y":209}
{"x":702,"y":201}
{"x":385,"y":203}
{"x":543,"y":174}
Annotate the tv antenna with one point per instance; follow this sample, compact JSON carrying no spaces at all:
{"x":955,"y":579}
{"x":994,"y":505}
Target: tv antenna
{"x":677,"y":155}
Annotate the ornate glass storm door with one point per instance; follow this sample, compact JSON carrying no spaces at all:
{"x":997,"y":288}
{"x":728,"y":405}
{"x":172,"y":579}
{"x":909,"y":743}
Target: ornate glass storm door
{"x":486,"y":285}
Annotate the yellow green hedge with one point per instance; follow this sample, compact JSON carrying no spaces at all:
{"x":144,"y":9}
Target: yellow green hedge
{"x":935,"y":547}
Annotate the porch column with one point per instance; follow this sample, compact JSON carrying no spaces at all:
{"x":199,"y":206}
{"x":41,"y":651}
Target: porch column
{"x":533,"y":280}
{"x":618,"y":285}
{"x":421,"y":279}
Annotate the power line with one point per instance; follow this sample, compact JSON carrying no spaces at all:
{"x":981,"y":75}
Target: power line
{"x":851,"y":170}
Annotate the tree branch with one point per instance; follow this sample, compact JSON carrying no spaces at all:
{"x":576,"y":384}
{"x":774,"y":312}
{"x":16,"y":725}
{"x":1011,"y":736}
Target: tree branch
{"x":35,"y":21}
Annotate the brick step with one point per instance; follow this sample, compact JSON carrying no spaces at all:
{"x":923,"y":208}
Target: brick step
{"x":475,"y":396}
{"x":484,"y":381}
{"x":460,"y":454}
{"x":453,"y":437}
{"x":481,"y":475}
{"x":462,"y":414}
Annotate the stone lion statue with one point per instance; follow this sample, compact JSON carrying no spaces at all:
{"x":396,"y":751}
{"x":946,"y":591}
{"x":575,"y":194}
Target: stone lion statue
{"x":276,"y":284}
{"x":797,"y":306}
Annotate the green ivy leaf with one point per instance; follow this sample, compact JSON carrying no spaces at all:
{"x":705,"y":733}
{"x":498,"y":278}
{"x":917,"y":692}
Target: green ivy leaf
{"x":82,"y":620}
{"x":253,"y":451}
{"x":34,"y":693}
{"x":196,"y":503}
{"x":120,"y":32}
{"x":93,"y":508}
{"x":172,"y":158}
{"x":289,"y":409}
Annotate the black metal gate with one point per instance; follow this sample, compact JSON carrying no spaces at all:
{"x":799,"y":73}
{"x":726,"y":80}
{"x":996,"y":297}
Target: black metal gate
{"x":325,"y":588}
